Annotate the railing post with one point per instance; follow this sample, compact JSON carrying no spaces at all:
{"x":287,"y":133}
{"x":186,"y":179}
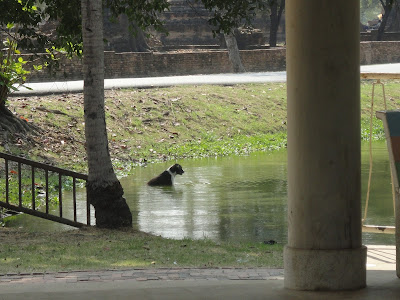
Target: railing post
{"x":74,"y":196}
{"x":60,"y":194}
{"x":87,"y":209}
{"x":7,"y":187}
{"x":33,"y":188}
{"x":47,"y":190}
{"x":19,"y":185}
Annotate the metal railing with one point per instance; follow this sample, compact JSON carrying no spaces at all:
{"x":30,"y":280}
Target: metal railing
{"x":22,"y":168}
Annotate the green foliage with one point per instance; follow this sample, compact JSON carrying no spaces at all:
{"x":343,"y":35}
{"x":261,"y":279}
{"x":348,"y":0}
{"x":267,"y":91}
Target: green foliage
{"x":29,"y":15}
{"x":142,"y":13}
{"x":12,"y":69}
{"x":228,"y":15}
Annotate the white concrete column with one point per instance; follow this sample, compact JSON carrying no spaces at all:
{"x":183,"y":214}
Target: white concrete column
{"x":324,"y":250}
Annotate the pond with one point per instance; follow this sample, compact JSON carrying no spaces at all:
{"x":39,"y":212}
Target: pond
{"x":241,"y":198}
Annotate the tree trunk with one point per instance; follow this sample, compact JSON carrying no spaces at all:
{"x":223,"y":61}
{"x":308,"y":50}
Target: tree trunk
{"x":273,"y":29}
{"x":9,"y":123}
{"x":394,"y":18}
{"x":136,"y":37}
{"x":138,"y":43}
{"x":104,"y":191}
{"x":387,"y":9}
{"x":234,"y":55}
{"x":275,"y":18}
{"x":123,"y":35}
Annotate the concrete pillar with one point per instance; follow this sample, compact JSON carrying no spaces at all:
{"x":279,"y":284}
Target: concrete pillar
{"x":324,"y":250}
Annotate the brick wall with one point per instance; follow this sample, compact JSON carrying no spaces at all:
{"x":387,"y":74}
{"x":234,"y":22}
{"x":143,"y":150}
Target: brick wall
{"x":132,"y":64}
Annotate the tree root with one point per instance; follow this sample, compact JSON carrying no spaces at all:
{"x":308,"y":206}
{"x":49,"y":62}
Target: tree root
{"x":111,"y":209}
{"x":14,"y":127}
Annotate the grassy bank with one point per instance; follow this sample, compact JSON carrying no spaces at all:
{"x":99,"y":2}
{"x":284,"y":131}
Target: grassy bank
{"x":159,"y":124}
{"x":172,"y":123}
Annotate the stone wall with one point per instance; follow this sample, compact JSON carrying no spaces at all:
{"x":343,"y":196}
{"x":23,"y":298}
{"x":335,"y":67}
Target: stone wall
{"x":135,"y":64}
{"x":373,"y":35}
{"x":379,"y":52}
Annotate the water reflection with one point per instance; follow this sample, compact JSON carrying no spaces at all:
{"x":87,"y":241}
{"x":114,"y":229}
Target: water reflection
{"x":226,"y":198}
{"x":235,"y":198}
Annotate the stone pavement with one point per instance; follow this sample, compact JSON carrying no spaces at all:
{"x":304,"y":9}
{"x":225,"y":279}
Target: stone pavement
{"x":149,"y":82}
{"x":193,"y":283}
{"x":143,"y":275}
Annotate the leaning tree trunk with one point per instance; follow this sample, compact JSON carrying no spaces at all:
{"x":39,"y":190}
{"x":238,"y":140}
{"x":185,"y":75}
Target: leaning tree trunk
{"x":104,"y":191}
{"x":234,"y":55}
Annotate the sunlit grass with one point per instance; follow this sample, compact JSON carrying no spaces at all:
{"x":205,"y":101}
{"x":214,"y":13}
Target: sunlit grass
{"x":177,"y":122}
{"x":104,"y":249}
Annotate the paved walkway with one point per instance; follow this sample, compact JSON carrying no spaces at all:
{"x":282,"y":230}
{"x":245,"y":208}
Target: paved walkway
{"x":149,"y":82}
{"x":193,"y":283}
{"x":378,"y":258}
{"x":143,"y":275}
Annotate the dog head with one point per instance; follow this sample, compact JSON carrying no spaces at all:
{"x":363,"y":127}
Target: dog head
{"x":176,"y":169}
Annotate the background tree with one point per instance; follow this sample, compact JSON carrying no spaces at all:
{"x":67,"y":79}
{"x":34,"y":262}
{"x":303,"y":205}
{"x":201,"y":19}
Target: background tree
{"x":387,"y":6}
{"x":233,"y":52}
{"x":20,"y":23}
{"x":226,"y":17}
{"x":369,"y":10}
{"x":134,"y":37}
{"x":394,"y":19}
{"x":275,"y":8}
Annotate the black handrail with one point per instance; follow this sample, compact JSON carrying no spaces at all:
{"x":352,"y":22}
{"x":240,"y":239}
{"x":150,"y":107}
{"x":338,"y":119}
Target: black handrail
{"x":33,"y":210}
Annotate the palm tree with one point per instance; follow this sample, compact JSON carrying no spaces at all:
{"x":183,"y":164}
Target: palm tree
{"x":104,"y":190}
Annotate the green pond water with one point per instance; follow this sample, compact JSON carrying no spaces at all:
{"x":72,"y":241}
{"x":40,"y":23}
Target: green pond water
{"x":231,"y":198}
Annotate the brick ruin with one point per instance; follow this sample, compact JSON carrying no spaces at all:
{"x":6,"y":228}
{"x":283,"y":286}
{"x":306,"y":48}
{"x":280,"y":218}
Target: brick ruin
{"x":188,"y":28}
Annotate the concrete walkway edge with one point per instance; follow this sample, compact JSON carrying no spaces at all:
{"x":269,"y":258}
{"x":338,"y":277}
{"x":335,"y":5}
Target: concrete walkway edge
{"x":151,"y":82}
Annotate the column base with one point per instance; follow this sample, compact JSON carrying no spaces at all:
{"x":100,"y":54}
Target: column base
{"x":337,"y":269}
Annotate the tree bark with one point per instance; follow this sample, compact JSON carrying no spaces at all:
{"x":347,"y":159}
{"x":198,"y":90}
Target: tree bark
{"x":234,"y":55}
{"x":104,"y":191}
{"x":394,"y":18}
{"x":13,"y":125}
{"x":387,"y":9}
{"x":275,"y":18}
{"x":123,"y":35}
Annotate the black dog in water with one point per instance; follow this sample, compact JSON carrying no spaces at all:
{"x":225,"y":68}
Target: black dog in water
{"x":166,"y":178}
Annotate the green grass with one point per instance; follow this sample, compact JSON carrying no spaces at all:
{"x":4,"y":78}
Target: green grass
{"x":106,"y":249}
{"x":392,"y":95}
{"x":159,"y":124}
{"x":174,"y":122}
